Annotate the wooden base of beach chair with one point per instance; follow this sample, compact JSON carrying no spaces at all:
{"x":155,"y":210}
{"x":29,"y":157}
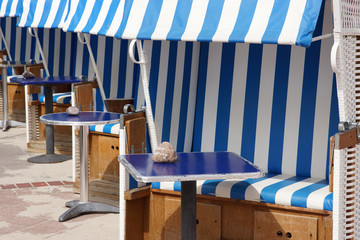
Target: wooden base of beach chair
{"x":16,"y":102}
{"x":220,"y":218}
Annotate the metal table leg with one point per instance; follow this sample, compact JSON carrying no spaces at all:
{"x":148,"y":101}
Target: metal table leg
{"x":49,"y":157}
{"x":83,"y":206}
{"x":188,"y":210}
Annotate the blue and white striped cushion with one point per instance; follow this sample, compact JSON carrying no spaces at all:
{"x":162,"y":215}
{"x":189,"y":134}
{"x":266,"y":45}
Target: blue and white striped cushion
{"x":107,"y":128}
{"x":59,"y":98}
{"x":273,"y":188}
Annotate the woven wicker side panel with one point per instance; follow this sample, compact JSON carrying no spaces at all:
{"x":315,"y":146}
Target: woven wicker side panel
{"x":350,"y":12}
{"x":34,"y":123}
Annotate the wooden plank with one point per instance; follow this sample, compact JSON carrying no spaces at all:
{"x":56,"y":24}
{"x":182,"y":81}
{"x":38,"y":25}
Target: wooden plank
{"x":269,"y":225}
{"x":347,"y":139}
{"x":136,"y":135}
{"x":137,"y":193}
{"x":84,"y":97}
{"x":117,"y":105}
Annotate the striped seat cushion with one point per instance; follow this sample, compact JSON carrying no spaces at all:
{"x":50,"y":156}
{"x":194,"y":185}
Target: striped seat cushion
{"x":273,"y":188}
{"x":107,"y":128}
{"x":59,"y":98}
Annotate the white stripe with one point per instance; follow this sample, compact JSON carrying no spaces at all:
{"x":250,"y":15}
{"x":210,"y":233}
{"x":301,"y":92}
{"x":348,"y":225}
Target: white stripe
{"x":67,"y":49}
{"x":293,"y":105}
{"x":100,"y":58}
{"x":17,"y":44}
{"x":227,"y":21}
{"x":161,"y":88}
{"x":223,"y":189}
{"x":260,"y":21}
{"x":178,"y":82}
{"x":53,"y":11}
{"x":24,"y":14}
{"x":115,"y":24}
{"x":115,"y":68}
{"x":73,"y":7}
{"x":115,"y":129}
{"x":167,"y":186}
{"x":284,"y":195}
{"x":13,"y":7}
{"x":316,"y":199}
{"x":238,"y":97}
{"x":101,"y":17}
{"x":195,"y":20}
{"x":135,"y":18}
{"x":211,"y":97}
{"x":56,"y":52}
{"x":253,"y":192}
{"x":130,"y":74}
{"x":99,"y":128}
{"x":38,"y":13}
{"x":165,"y":19}
{"x":192,"y":97}
{"x":3,"y":8}
{"x":62,"y":21}
{"x":199,"y":184}
{"x":292,"y":22}
{"x":45,"y":44}
{"x":266,"y":91}
{"x":79,"y":59}
{"x":28,"y":45}
{"x":323,"y":103}
{"x":85,"y":15}
{"x":8,"y":35}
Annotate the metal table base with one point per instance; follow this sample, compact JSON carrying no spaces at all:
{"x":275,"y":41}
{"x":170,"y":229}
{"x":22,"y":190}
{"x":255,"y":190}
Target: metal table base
{"x":188,"y":210}
{"x":49,"y":158}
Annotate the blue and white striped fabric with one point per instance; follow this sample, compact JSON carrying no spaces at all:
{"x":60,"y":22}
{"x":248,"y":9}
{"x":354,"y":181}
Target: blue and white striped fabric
{"x":43,"y":13}
{"x":273,"y":188}
{"x":58,"y":98}
{"x":249,"y":21}
{"x":10,"y":8}
{"x":108,"y":128}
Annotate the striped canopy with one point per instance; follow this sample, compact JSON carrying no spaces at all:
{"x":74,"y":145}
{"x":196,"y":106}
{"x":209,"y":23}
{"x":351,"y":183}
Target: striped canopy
{"x":10,"y":8}
{"x":43,"y":13}
{"x":252,"y":21}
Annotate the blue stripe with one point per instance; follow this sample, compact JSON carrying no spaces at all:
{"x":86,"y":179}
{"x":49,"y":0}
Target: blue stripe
{"x":30,"y":17}
{"x":59,"y":14}
{"x":150,"y":19}
{"x":309,"y":19}
{"x":180,"y":20}
{"x":51,"y":53}
{"x":209,"y":187}
{"x":238,"y":189}
{"x":93,"y":17}
{"x":19,"y":9}
{"x":154,"y":73}
{"x":126,"y":14}
{"x":200,"y":97}
{"x":155,"y":185}
{"x":276,"y":21}
{"x":109,"y":17}
{"x":62,"y":53}
{"x":278,"y":113}
{"x":122,"y":68}
{"x":299,"y":198}
{"x":307,"y":112}
{"x":132,"y":182}
{"x":45,"y":13}
{"x":13,"y":37}
{"x":107,"y":65}
{"x":251,"y":101}
{"x":243,"y":21}
{"x":211,"y":21}
{"x":85,"y":60}
{"x":334,"y":120}
{"x":185,"y":97}
{"x":107,"y":128}
{"x":177,"y":186}
{"x":328,"y":202}
{"x":77,"y":16}
{"x":99,"y":101}
{"x":224,"y":98}
{"x":92,"y":128}
{"x":74,"y":43}
{"x":268,"y":193}
{"x":3,"y":27}
{"x":169,"y":94}
{"x":23,"y":43}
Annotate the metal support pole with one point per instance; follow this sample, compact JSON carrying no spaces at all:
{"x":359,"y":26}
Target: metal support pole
{"x":5,"y":43}
{"x":84,"y":184}
{"x":49,"y":130}
{"x":93,"y":62}
{"x":5,"y":100}
{"x":188,"y":210}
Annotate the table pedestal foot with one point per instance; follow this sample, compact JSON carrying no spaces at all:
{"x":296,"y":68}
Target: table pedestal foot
{"x":49,"y":158}
{"x":11,"y":123}
{"x":77,"y":208}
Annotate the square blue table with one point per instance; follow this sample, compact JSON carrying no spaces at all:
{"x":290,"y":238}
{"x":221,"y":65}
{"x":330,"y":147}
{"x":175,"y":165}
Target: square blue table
{"x":188,"y":168}
{"x":4,"y":65}
{"x":84,"y":120}
{"x":48,"y":83}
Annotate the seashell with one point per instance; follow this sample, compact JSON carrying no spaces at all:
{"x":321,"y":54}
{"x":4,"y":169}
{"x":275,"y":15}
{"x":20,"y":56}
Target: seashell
{"x":165,"y":152}
{"x":27,"y":74}
{"x":73,"y":111}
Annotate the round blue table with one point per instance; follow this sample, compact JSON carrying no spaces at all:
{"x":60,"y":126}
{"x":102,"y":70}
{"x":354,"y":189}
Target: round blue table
{"x":48,"y":82}
{"x":83,"y":120}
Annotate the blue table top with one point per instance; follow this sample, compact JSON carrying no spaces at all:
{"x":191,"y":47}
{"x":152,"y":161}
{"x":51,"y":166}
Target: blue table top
{"x":83,"y":119}
{"x":190,"y":167}
{"x":46,"y":80}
